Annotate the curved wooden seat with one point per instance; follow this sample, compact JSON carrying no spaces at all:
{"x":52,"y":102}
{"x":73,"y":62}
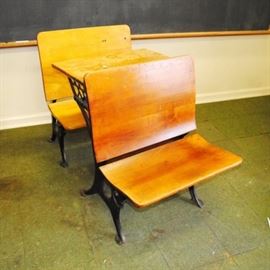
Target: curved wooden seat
{"x":155,"y":174}
{"x":68,"y":113}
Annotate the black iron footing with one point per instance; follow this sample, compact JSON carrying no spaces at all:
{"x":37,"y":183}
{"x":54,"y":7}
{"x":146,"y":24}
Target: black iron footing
{"x":194,"y":197}
{"x":96,"y":186}
{"x":113,"y":200}
{"x":61,"y":135}
{"x":54,"y":130}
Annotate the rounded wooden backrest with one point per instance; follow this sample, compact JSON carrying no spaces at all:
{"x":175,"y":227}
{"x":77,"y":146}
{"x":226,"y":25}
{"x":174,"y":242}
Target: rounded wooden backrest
{"x":136,"y":106}
{"x":59,"y":45}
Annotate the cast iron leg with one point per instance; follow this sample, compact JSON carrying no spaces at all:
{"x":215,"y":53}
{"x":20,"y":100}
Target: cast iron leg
{"x":115,"y":206}
{"x":61,"y":134}
{"x":113,"y":200}
{"x":54,"y":130}
{"x":194,"y":197}
{"x":115,"y":212}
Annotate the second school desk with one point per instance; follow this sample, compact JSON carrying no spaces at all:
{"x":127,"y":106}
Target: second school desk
{"x":76,"y":69}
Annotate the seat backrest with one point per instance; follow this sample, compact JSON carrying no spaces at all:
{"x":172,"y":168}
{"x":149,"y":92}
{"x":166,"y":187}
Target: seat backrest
{"x":136,"y":106}
{"x":59,"y":45}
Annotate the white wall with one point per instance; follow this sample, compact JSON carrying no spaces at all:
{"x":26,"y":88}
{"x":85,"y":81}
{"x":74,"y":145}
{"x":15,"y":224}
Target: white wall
{"x":21,"y":94}
{"x":226,"y":68}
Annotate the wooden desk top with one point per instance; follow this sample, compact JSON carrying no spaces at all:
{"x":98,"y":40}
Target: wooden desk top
{"x":79,"y":67}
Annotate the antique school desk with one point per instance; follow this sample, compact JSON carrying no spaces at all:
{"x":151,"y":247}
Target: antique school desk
{"x":164,"y":92}
{"x":140,"y":115}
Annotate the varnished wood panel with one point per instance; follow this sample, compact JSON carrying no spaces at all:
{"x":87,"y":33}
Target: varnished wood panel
{"x":139,"y":105}
{"x":153,"y":175}
{"x":66,"y":44}
{"x":79,"y":67}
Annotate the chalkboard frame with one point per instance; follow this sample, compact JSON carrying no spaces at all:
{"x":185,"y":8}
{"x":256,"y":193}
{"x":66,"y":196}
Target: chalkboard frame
{"x":30,"y":43}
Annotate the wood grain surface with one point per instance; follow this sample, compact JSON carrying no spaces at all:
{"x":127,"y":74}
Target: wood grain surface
{"x":79,"y":67}
{"x":139,"y":105}
{"x":59,"y":45}
{"x":153,"y":175}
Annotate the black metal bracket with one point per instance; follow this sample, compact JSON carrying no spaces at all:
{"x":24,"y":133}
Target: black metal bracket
{"x":80,"y":96}
{"x":112,"y":198}
{"x":194,"y":197}
{"x":54,"y":131}
{"x":79,"y":91}
{"x":61,"y":134}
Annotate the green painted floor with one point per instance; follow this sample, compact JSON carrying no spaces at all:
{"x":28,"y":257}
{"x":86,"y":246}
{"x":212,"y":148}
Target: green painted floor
{"x":45,"y":224}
